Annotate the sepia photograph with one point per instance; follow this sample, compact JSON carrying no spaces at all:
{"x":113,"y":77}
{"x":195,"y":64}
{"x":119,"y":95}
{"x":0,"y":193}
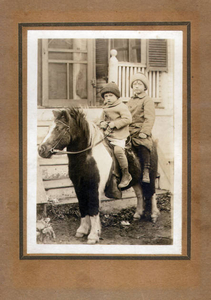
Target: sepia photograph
{"x":104,"y":142}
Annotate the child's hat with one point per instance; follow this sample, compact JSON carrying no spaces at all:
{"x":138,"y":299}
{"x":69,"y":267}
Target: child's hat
{"x":110,"y":88}
{"x":139,"y":76}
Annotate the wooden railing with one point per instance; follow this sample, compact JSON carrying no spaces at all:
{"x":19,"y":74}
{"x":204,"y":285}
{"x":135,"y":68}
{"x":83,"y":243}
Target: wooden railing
{"x":121,"y":73}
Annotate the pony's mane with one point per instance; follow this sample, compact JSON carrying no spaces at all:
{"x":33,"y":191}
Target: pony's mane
{"x":80,"y":119}
{"x":89,"y":129}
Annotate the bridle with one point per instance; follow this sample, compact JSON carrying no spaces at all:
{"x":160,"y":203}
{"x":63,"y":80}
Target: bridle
{"x":53,"y":150}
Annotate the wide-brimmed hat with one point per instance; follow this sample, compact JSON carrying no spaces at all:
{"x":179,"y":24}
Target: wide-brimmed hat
{"x":110,"y":88}
{"x":139,"y":76}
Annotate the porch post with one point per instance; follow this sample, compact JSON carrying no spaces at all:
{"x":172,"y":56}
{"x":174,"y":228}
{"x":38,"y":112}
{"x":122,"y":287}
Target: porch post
{"x":113,"y":67}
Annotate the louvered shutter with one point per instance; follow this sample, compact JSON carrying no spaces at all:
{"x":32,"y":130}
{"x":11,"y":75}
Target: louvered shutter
{"x":157,"y":55}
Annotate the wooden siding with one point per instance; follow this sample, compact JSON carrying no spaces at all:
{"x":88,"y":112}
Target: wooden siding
{"x":57,"y":185}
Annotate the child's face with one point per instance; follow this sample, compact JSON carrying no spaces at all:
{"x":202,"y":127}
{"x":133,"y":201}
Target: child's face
{"x":110,"y":98}
{"x":138,"y":87}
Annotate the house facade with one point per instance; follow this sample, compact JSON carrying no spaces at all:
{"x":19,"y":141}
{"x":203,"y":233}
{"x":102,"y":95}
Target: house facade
{"x":73,"y":71}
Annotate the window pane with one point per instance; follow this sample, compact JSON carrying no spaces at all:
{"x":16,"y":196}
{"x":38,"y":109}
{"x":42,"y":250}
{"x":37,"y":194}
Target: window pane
{"x":121,"y":45}
{"x":57,"y":81}
{"x":80,"y":44}
{"x":78,"y":56}
{"x":60,"y":56}
{"x":80,"y":81}
{"x":135,"y":51}
{"x":60,"y":43}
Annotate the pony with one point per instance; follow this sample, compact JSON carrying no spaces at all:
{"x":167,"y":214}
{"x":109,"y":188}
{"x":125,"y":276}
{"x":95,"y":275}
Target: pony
{"x":90,"y":167}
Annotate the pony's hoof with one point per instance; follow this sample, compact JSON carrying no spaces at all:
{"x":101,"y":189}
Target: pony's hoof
{"x":137,"y":216}
{"x":79,"y":234}
{"x":154,"y":217}
{"x":92,"y":241}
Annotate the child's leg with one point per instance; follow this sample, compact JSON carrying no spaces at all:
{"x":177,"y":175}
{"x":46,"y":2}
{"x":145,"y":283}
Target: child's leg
{"x":115,"y":167}
{"x":145,"y":154}
{"x":120,"y":155}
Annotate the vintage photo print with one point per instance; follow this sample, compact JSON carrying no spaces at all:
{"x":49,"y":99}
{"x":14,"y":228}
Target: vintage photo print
{"x":118,"y":190}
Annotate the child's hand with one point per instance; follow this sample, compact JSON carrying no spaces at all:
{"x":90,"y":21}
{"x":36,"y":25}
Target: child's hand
{"x":108,"y":130}
{"x":142,"y":135}
{"x":103,"y":125}
{"x":111,"y":125}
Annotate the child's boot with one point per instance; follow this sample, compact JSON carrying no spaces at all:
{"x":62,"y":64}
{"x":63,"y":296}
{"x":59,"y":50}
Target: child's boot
{"x":146,"y":178}
{"x":126,"y":178}
{"x":145,"y":154}
{"x":123,"y":163}
{"x":116,"y":171}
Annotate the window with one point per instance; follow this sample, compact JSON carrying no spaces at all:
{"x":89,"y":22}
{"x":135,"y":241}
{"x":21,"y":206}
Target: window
{"x":67,"y":72}
{"x":130,"y":50}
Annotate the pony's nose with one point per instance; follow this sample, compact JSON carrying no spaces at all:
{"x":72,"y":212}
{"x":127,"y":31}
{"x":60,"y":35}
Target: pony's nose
{"x":41,"y":149}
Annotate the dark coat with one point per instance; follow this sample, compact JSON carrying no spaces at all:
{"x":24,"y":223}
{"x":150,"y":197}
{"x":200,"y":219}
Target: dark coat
{"x":142,"y":109}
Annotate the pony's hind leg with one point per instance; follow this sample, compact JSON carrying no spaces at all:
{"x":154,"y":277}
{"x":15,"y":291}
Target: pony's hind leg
{"x":84,"y":227}
{"x":155,"y":211}
{"x":95,"y":232}
{"x":140,"y":201}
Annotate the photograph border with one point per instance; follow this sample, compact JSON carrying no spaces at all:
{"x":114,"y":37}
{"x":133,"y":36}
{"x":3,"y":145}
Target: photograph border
{"x":22,"y":256}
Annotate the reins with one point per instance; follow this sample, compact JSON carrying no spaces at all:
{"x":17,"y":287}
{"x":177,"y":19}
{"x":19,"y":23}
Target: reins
{"x":53,"y":150}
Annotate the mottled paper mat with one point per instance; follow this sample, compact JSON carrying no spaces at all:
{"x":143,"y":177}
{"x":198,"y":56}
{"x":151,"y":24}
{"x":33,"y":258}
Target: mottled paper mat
{"x":109,"y":279}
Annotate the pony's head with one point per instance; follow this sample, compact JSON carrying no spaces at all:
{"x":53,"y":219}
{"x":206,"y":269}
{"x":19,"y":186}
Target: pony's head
{"x":68,"y":127}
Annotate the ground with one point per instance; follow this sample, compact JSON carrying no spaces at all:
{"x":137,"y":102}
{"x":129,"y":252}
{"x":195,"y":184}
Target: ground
{"x":117,"y":228}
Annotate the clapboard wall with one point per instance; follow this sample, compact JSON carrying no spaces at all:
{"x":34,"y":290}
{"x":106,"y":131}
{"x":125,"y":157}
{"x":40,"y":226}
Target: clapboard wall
{"x":56,"y":183}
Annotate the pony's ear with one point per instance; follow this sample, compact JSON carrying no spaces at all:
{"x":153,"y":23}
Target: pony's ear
{"x":65,"y":116}
{"x":57,"y":113}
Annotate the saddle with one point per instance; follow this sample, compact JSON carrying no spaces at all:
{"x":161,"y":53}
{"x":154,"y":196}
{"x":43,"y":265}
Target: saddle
{"x":111,"y":189}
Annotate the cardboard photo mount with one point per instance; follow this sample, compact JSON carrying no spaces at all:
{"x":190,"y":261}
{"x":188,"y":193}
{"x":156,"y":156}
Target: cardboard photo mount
{"x":94,"y":278}
{"x":24,"y":76}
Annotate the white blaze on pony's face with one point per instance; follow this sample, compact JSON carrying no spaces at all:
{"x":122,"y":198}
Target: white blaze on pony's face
{"x":47,"y":143}
{"x":51,"y":128}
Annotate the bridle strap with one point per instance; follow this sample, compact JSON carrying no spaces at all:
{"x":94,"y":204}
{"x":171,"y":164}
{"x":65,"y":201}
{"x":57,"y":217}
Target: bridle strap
{"x":81,"y":151}
{"x":53,"y":150}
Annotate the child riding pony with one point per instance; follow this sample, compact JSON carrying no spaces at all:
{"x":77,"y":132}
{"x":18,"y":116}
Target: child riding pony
{"x":90,"y":166}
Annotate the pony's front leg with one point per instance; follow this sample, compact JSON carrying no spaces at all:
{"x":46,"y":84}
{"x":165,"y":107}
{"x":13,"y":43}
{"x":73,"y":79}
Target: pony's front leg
{"x":84,"y":227}
{"x":140,"y":201}
{"x":155,"y":211}
{"x":95,"y":232}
